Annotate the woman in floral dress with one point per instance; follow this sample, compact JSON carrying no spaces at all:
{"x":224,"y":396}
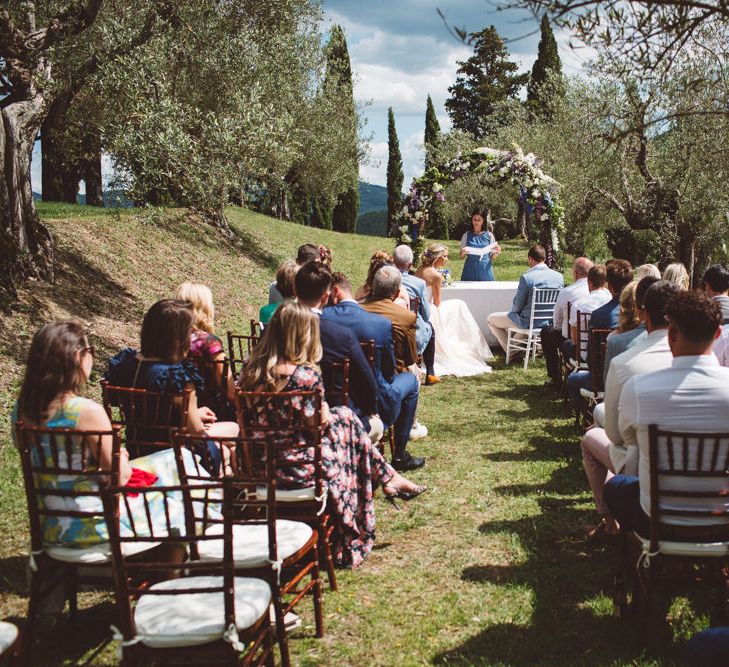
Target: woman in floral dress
{"x":286,"y":360}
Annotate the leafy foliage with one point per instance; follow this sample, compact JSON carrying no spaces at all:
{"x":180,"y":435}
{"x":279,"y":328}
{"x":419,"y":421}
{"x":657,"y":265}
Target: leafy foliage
{"x":547,"y":66}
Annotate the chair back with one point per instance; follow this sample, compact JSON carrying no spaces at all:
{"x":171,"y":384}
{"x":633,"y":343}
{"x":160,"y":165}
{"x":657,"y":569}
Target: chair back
{"x":256,"y":328}
{"x":583,"y":336}
{"x":414,"y":304}
{"x":689,"y":481}
{"x":253,"y":473}
{"x":149,"y":417}
{"x":144,"y":526}
{"x":596,"y":349}
{"x":62,"y":476}
{"x":335,"y":376}
{"x":240,"y":347}
{"x":543,"y":300}
{"x":368,"y":348}
{"x":214,"y":394}
{"x":293,"y":420}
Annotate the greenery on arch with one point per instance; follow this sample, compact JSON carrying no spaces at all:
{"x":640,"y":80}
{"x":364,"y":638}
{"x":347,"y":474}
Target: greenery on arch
{"x":539,"y":192}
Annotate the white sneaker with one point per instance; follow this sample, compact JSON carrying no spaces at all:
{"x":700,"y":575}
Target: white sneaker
{"x":418,"y":431}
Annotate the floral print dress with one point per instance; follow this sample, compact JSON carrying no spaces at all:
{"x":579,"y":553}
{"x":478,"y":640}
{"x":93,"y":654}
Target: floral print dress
{"x":352,"y":466}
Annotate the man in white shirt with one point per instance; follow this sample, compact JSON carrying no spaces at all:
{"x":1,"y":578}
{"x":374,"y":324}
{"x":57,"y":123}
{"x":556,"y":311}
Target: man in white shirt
{"x":691,"y":395}
{"x":554,"y":335}
{"x":721,"y":346}
{"x":602,"y":450}
{"x":716,"y":286}
{"x":598,"y":296}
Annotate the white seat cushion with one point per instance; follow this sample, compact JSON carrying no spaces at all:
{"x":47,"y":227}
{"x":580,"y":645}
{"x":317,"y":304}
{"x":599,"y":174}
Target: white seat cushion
{"x":8,"y":635}
{"x":250,"y":543}
{"x":703,"y":549}
{"x":191,"y":619}
{"x":97,"y":554}
{"x":288,"y":495}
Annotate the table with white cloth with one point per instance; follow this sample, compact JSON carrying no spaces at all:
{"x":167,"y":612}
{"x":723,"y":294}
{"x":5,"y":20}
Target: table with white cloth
{"x":482,"y":299}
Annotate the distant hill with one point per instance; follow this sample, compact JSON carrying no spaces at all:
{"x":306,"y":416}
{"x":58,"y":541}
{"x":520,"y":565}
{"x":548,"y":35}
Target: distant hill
{"x":371,"y":197}
{"x":373,"y":223}
{"x":112,"y":199}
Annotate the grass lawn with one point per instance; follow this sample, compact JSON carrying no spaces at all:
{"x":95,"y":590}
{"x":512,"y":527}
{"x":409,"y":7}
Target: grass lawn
{"x":488,"y":567}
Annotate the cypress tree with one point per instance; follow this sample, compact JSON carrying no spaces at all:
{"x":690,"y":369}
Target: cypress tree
{"x":547,"y":65}
{"x":485,"y":79}
{"x":395,"y":176}
{"x":432,"y":132}
{"x":437,"y":223}
{"x":339,"y":74}
{"x":321,"y":213}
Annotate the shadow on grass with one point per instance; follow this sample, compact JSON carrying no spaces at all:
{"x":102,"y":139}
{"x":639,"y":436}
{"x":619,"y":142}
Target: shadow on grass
{"x":13,"y":580}
{"x":100,"y":295}
{"x":569,"y":623}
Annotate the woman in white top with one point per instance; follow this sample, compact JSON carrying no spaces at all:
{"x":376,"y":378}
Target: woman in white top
{"x":460,"y":347}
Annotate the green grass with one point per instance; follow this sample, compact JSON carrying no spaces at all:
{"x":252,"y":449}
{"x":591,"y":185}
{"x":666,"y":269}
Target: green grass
{"x":488,"y":567}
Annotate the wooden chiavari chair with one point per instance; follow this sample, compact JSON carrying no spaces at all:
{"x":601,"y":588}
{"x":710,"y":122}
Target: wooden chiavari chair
{"x":198,"y":611}
{"x":696,"y":551}
{"x":216,"y":386}
{"x":335,"y":376}
{"x":282,"y":551}
{"x":282,"y":414}
{"x":240,"y":347}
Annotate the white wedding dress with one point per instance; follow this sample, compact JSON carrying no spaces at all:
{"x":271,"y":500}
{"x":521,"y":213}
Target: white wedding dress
{"x":460,"y":347}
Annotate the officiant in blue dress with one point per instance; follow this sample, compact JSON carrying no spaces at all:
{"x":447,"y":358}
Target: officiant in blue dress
{"x":478,"y":266}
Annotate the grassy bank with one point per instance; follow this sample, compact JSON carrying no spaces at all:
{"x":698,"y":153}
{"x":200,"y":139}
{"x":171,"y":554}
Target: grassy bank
{"x":489,"y":567}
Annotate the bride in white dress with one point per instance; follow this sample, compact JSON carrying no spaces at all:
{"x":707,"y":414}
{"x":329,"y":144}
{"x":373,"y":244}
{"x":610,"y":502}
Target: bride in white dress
{"x":460,"y":347}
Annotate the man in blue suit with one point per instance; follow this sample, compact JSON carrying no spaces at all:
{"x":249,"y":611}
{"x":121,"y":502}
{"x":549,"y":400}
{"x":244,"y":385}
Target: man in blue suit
{"x":397,"y":393}
{"x":539,"y":275}
{"x":313,"y":285}
{"x":415,"y":287}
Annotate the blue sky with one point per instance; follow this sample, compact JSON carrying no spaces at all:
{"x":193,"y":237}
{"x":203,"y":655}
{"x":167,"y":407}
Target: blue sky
{"x":401,"y":51}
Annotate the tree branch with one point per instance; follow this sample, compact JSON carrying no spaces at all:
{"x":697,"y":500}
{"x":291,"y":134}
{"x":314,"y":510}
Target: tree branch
{"x":76,"y":18}
{"x":611,"y":198}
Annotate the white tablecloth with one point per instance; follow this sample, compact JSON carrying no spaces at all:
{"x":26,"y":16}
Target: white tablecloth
{"x":482,"y":299}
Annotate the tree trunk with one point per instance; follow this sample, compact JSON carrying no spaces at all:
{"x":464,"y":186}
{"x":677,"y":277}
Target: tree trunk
{"x":60,"y":176}
{"x":522,"y":219}
{"x":92,"y":178}
{"x":26,"y":246}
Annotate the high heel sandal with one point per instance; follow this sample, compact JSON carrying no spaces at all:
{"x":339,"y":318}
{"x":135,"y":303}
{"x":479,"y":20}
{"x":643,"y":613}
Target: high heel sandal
{"x":402,"y":495}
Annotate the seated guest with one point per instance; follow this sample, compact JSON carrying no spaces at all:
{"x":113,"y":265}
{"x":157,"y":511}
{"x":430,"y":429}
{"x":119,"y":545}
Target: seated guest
{"x":286,"y":360}
{"x":553,"y":336}
{"x":647,"y":270}
{"x":162,"y":366}
{"x":285,"y":285}
{"x":603,"y":450}
{"x":618,"y":273}
{"x":539,"y":275}
{"x":631,"y":324}
{"x":691,"y":395}
{"x":377,"y":261}
{"x":204,"y":344}
{"x":313,"y":285}
{"x":598,"y":296}
{"x":716,"y":286}
{"x":386,"y":285}
{"x":58,"y":367}
{"x":306,"y":253}
{"x":424,"y":335}
{"x":721,"y":346}
{"x":678,"y":274}
{"x":397,"y":393}
{"x":709,"y":648}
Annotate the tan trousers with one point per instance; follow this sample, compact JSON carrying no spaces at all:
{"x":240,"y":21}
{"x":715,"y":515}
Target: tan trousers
{"x":499,"y":323}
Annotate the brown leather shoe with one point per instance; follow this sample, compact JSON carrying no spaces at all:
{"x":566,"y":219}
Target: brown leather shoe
{"x":432,"y":379}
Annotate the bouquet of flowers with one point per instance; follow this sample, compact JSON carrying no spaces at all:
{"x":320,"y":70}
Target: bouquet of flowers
{"x":447,"y":277}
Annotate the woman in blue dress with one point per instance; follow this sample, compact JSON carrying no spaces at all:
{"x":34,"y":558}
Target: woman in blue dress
{"x":478,"y":266}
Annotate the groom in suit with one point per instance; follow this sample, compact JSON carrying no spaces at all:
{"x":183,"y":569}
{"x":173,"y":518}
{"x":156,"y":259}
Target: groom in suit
{"x":539,"y":275}
{"x":313,"y":285}
{"x":397,"y":393}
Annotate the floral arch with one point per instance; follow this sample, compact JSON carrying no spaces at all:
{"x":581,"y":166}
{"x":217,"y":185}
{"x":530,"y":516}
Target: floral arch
{"x":539,"y":192}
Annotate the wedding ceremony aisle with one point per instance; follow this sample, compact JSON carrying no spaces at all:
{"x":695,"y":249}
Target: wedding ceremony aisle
{"x":488,"y":567}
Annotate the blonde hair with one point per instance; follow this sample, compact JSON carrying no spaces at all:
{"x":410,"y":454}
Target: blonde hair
{"x":678,"y":274}
{"x":286,"y":277}
{"x":433,"y":252}
{"x":201,"y":298}
{"x":645,"y":270}
{"x":291,"y":336}
{"x":628,"y":319}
